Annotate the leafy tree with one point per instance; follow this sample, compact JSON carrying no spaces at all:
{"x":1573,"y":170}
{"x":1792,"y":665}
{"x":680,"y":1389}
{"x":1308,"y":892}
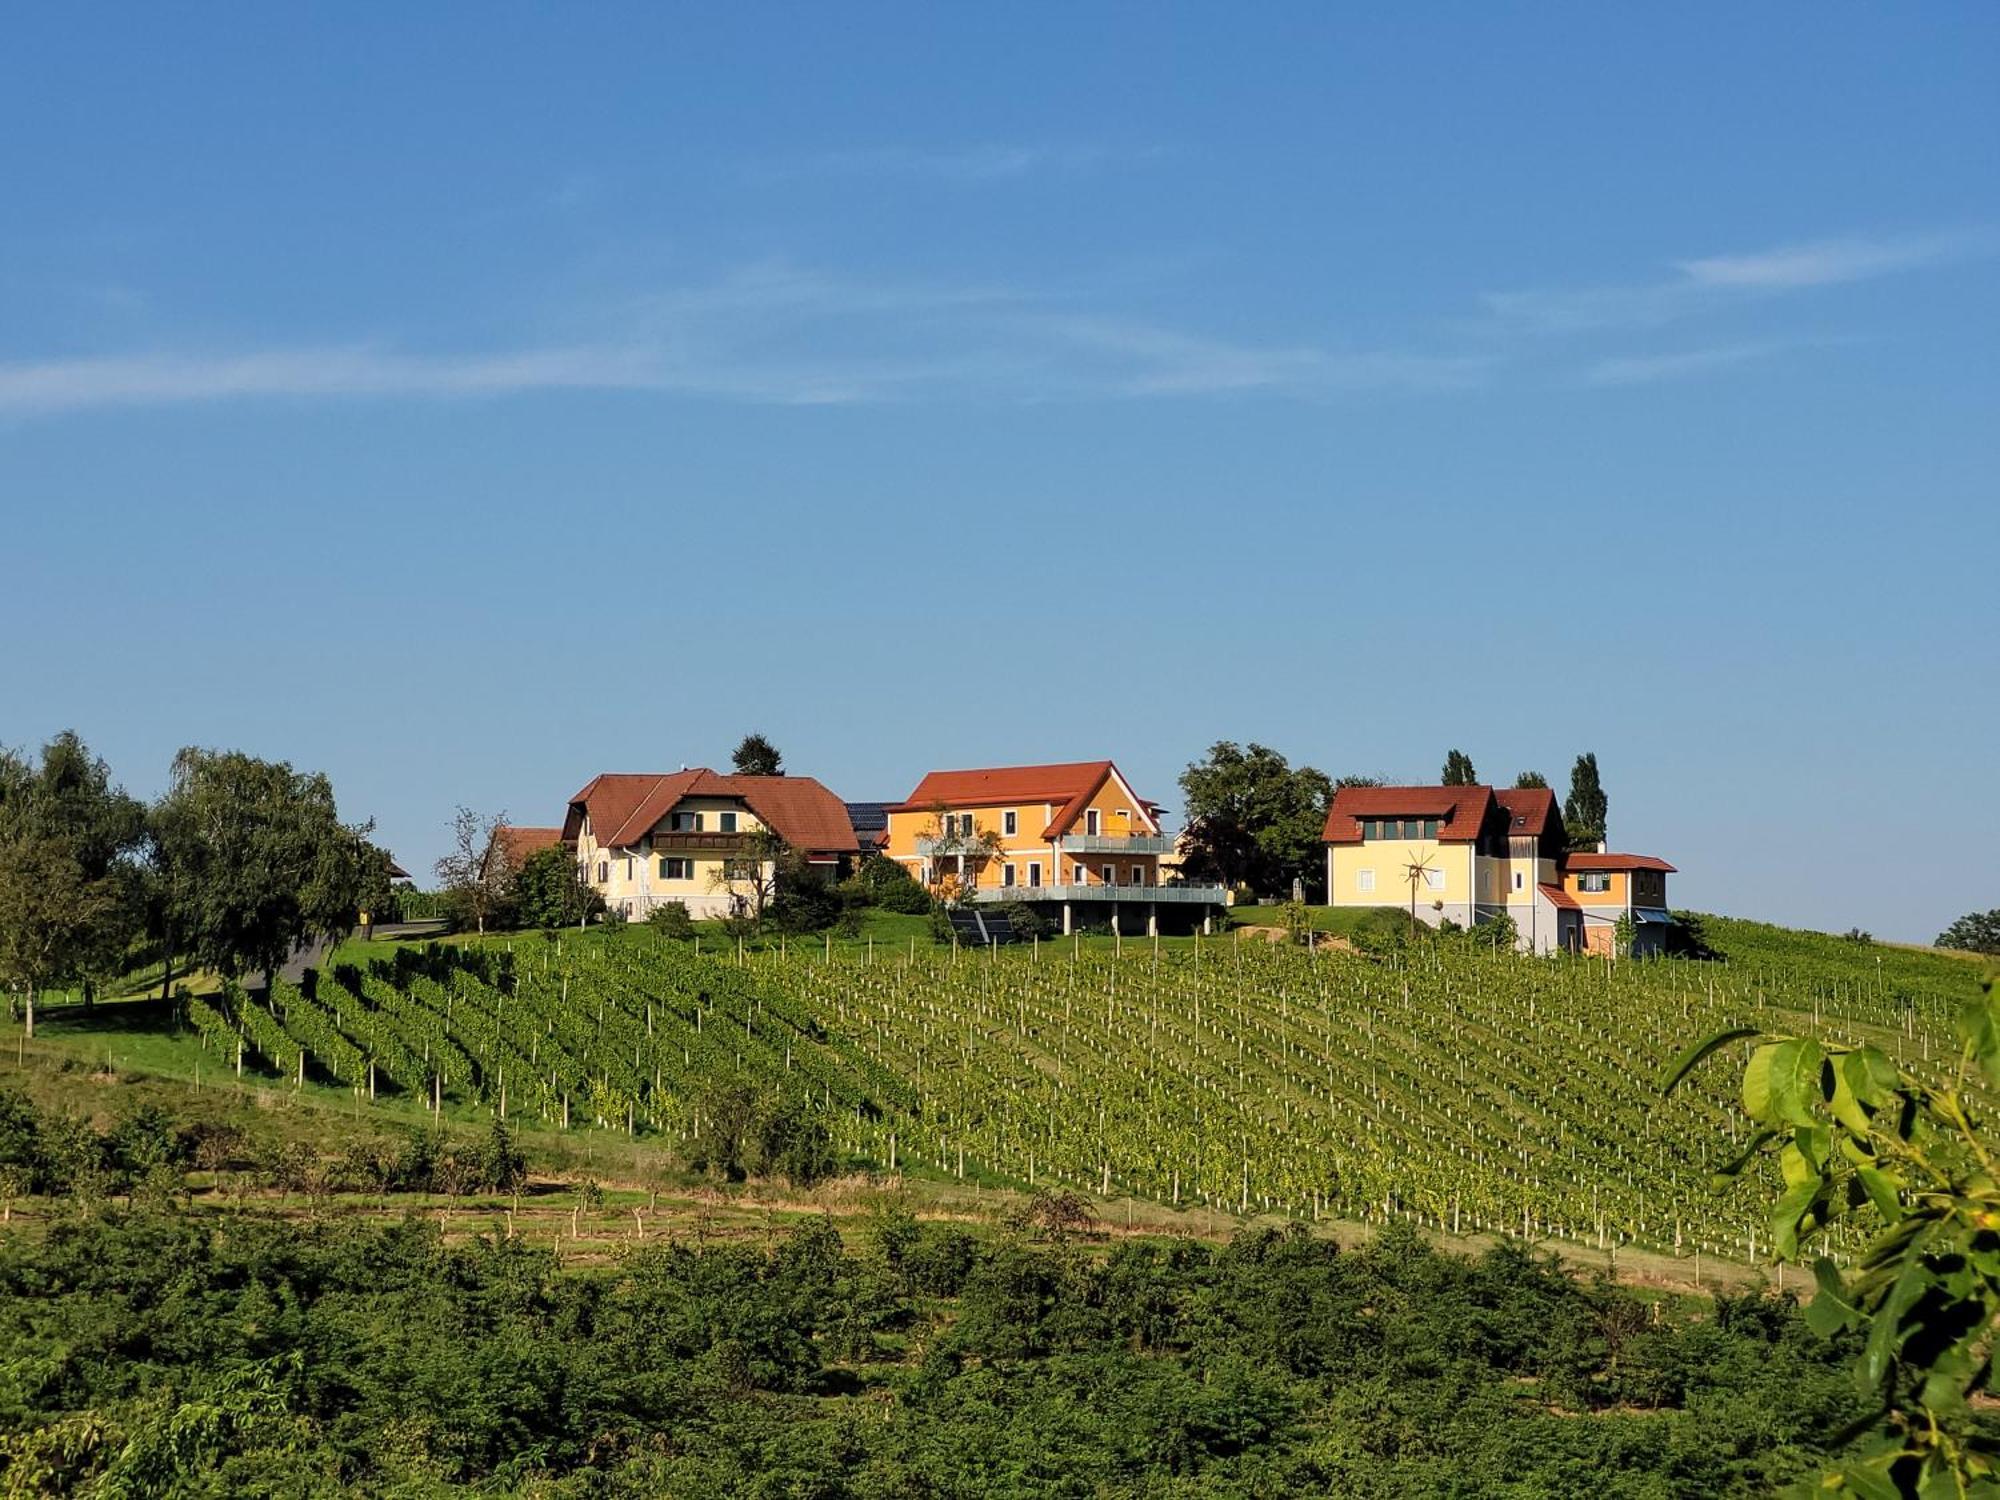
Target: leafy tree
{"x":1587,"y":811}
{"x":1856,"y":1136}
{"x":253,"y":860}
{"x":478,"y":874}
{"x":1253,"y":818}
{"x":671,"y":919}
{"x":757,"y":756}
{"x":1975,"y":932}
{"x":1458,"y":770}
{"x":803,"y":900}
{"x":887,"y":883}
{"x":1531,"y":781}
{"x":749,"y":877}
{"x":70,"y":891}
{"x":549,"y":890}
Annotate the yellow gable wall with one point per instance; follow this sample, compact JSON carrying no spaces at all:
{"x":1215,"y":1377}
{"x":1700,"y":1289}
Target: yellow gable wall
{"x":1390,"y":859}
{"x":1615,"y":896}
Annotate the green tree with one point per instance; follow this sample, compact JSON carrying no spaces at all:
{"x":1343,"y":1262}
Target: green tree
{"x":550,"y":891}
{"x":1975,"y":932}
{"x":1531,"y":781}
{"x":757,"y":756}
{"x":1587,"y":811}
{"x":1856,"y":1136}
{"x":253,"y":860}
{"x":1253,"y":818}
{"x":1458,"y":770}
{"x":70,"y":884}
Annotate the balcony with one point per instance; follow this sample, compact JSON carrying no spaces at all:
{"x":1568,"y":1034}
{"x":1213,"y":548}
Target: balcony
{"x":1117,"y":843}
{"x":1176,"y":895}
{"x":687,"y":841}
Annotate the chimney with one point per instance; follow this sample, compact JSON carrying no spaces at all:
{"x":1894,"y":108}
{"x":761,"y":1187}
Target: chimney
{"x":1602,"y":848}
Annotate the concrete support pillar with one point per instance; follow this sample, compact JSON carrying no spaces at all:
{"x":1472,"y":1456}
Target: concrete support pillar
{"x":1065,"y":919}
{"x":1152,"y":919}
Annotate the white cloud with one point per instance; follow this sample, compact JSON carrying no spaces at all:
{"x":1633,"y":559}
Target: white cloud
{"x":1644,"y":369}
{"x":1703,"y":284}
{"x":777,"y":334}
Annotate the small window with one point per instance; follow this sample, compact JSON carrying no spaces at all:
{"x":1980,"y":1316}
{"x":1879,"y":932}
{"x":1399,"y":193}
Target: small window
{"x":1080,"y":874}
{"x":1138,"y":874}
{"x":1434,"y":879}
{"x":726,"y":822}
{"x":676,"y":869}
{"x":687,"y":822}
{"x":1006,"y":874}
{"x":603,"y":872}
{"x":1364,"y":880}
{"x":1370,"y":828}
{"x":1092,"y":823}
{"x":1520,"y":881}
{"x":1010,"y":823}
{"x":1430,"y":828}
{"x":628,"y":867}
{"x":1034,"y":873}
{"x":1111,"y":875}
{"x":1594,"y":880}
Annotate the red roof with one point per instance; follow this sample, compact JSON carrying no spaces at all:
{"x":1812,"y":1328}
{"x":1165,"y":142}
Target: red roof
{"x":1531,"y":810}
{"x":1557,"y":896}
{"x":1071,"y":785}
{"x":624,"y":808}
{"x":522,"y":842}
{"x":1459,"y":810}
{"x":1575,"y":861}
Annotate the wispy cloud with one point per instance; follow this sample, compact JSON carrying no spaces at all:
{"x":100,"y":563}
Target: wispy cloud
{"x":777,"y":334}
{"x":1706,"y":283}
{"x":979,"y":163}
{"x":1645,"y":369}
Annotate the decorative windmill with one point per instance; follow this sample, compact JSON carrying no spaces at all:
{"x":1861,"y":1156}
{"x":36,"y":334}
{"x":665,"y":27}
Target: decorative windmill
{"x":1416,"y":872}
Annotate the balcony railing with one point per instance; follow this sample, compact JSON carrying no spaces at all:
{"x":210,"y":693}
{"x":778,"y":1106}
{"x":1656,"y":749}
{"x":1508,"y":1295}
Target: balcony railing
{"x":1184,"y":895}
{"x":1117,"y":843}
{"x":687,"y":841}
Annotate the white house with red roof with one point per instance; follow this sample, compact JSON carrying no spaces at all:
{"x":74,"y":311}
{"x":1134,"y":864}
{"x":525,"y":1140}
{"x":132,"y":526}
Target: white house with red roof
{"x":699,"y":838}
{"x":1074,"y":836}
{"x":1470,"y":854}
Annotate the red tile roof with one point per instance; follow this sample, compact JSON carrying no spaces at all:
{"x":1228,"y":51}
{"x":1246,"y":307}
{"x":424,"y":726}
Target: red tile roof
{"x":1575,"y":861}
{"x":1557,"y":896}
{"x":1460,"y":810}
{"x":624,"y":808}
{"x":521,"y":842}
{"x":1531,"y":810}
{"x":1071,"y":785}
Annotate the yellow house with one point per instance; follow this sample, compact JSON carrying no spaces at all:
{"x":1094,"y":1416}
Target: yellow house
{"x":1469,"y":854}
{"x":1075,"y":836}
{"x":696,"y":837}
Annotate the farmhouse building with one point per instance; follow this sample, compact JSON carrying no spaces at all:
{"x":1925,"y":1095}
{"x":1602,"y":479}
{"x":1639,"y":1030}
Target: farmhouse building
{"x":1469,"y":854}
{"x":1075,"y":838}
{"x":701,"y":838}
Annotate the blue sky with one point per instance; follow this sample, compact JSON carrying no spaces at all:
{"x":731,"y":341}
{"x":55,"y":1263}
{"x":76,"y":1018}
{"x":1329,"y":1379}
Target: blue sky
{"x":469,"y":405}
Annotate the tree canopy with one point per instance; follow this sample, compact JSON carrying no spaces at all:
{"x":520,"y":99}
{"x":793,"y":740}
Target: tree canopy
{"x":1530,"y":780}
{"x":1975,"y":932}
{"x":1458,"y":770}
{"x":757,"y":756}
{"x":1253,"y":818}
{"x":1587,"y":811}
{"x":254,"y":860}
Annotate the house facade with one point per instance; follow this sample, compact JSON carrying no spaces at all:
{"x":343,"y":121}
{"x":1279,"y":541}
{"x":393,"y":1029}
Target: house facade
{"x":701,"y":838}
{"x":1470,"y":854}
{"x":1075,"y":837}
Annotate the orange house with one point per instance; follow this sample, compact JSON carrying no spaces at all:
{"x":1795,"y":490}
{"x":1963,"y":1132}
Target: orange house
{"x":1075,"y":836}
{"x":1605,"y":887}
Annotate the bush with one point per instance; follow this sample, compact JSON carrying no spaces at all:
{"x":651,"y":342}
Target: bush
{"x":804,"y":901}
{"x":1023,"y":920}
{"x":670,"y":919}
{"x":887,"y":884}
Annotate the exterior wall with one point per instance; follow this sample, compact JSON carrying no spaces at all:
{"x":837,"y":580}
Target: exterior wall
{"x":1390,"y":860}
{"x":630,"y":879}
{"x":1027,"y":845}
{"x":1649,"y":888}
{"x":1615,"y":896}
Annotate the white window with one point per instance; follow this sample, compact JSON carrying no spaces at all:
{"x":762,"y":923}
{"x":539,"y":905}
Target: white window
{"x":1110,"y":875}
{"x":603,"y":872}
{"x":1006,"y":874}
{"x":1138,"y":874}
{"x":676,"y":869}
{"x":1010,"y":823}
{"x":687,"y":822}
{"x":1594,"y":880}
{"x":1080,"y":874}
{"x":1034,"y":872}
{"x":1091,"y":822}
{"x":1364,"y":880}
{"x":1434,"y":879}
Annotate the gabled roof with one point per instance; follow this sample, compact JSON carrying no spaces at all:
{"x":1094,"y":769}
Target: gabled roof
{"x":624,"y":808}
{"x":1071,"y":785}
{"x":1555,"y":895}
{"x":1585,"y":861}
{"x":1531,"y":811}
{"x":1460,"y":810}
{"x":521,"y":842}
